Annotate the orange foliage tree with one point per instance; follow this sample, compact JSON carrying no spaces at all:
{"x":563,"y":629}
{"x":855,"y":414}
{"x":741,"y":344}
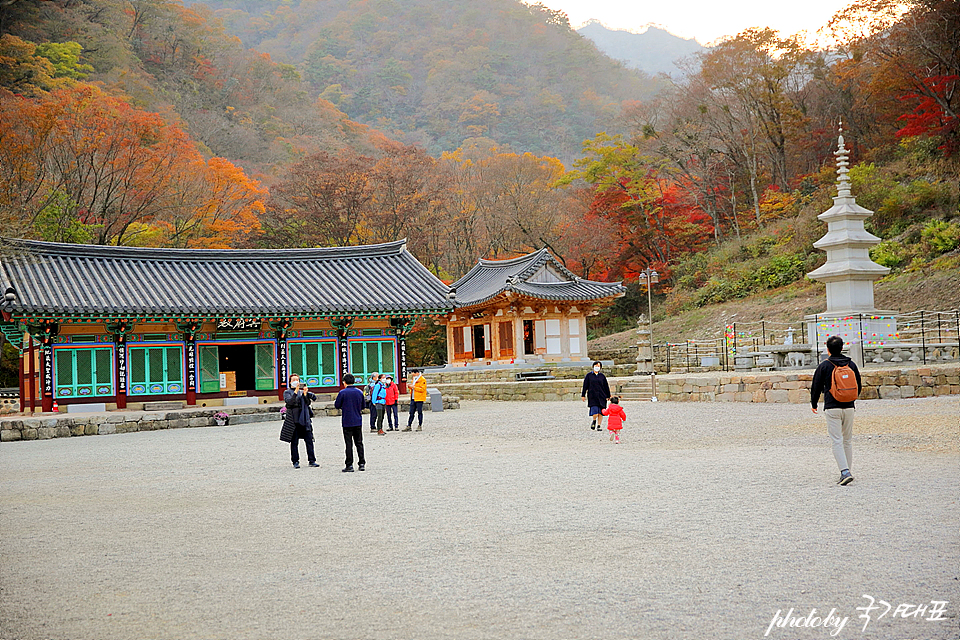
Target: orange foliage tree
{"x":85,"y":166}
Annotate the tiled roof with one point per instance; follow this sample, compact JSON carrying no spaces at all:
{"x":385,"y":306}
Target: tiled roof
{"x":490,"y":278}
{"x":70,"y":279}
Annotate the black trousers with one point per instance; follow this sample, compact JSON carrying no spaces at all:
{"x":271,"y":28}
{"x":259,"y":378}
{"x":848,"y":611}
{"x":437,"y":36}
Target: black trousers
{"x":380,"y":409}
{"x":373,"y":414}
{"x":300,"y":432}
{"x":418,"y":407}
{"x":393,"y":415}
{"x":351,"y":436}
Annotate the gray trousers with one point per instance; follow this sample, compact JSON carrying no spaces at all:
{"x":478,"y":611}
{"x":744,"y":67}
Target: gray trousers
{"x":840,"y":428}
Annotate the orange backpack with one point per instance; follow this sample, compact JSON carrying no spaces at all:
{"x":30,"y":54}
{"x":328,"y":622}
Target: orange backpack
{"x":843,"y":384}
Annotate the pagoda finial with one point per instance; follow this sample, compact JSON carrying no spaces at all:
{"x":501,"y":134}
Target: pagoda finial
{"x":843,"y":182}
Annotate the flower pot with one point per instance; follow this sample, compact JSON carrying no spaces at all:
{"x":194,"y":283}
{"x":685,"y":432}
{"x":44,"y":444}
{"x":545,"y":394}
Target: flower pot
{"x":221,"y":423}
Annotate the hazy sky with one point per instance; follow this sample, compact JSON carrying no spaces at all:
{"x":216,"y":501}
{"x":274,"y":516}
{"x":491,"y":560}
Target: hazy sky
{"x":705,"y":20}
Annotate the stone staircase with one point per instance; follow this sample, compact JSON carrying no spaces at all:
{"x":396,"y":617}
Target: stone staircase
{"x":638,"y":389}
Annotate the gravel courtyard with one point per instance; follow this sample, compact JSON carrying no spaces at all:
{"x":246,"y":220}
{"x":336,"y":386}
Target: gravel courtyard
{"x":500,"y":520}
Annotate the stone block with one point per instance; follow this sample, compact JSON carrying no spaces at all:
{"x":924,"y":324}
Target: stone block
{"x":91,"y":429}
{"x":708,"y":397}
{"x":116,"y":418}
{"x":869,"y":393}
{"x":778,"y":395}
{"x":789,"y":385}
{"x":29,"y":433}
{"x":890,"y":392}
{"x":907,"y":391}
{"x":129,"y":427}
{"x":179,"y":423}
{"x":759,"y":395}
{"x":730,"y":388}
{"x":798,"y":396}
{"x":727,"y":397}
{"x":63,"y":432}
{"x":924,"y":392}
{"x":106,"y":428}
{"x":46,"y":433}
{"x":743,"y":396}
{"x":942,"y":390}
{"x":148,"y":425}
{"x":10,"y":435}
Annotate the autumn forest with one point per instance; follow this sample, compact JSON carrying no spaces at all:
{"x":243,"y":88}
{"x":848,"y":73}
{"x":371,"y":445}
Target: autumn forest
{"x":476,"y":128}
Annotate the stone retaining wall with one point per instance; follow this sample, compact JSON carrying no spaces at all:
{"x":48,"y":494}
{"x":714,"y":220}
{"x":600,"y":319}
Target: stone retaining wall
{"x":539,"y":390}
{"x":47,"y":426}
{"x":65,"y":426}
{"x":886,"y":383}
{"x":453,"y":376}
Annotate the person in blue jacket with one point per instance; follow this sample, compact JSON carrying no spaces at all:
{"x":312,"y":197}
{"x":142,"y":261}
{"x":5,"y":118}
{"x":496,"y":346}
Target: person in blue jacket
{"x":379,"y":398}
{"x":350,"y":401}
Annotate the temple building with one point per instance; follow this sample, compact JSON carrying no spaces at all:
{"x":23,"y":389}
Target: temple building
{"x":112,"y":325}
{"x":529,"y":309}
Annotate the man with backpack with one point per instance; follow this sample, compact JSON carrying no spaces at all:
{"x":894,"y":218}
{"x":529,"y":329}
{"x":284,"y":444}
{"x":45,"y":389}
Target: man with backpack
{"x":838,"y":379}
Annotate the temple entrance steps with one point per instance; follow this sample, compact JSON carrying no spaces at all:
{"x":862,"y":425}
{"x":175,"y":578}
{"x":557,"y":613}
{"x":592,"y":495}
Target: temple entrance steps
{"x":639,"y":389}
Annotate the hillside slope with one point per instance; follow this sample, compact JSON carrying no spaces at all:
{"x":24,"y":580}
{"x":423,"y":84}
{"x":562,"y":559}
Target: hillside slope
{"x":932,"y":289}
{"x":437,"y":73}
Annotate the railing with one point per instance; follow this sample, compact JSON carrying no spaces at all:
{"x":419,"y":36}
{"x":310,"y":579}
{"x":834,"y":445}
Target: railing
{"x":916,"y":337}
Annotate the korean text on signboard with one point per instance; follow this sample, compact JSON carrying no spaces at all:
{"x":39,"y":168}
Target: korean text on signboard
{"x":192,"y":366}
{"x":238,"y":324}
{"x":121,"y":368}
{"x":48,"y":369}
{"x":282,"y":360}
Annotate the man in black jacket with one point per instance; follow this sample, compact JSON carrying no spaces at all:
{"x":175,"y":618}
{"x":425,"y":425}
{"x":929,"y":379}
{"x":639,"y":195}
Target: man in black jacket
{"x":839,"y":414}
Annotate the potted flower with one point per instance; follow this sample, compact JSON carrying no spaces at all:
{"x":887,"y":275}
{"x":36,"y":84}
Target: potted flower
{"x":221,"y":417}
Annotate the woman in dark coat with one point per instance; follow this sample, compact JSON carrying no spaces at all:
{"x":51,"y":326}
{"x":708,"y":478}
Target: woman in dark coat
{"x":595,"y":393}
{"x":297,"y":424}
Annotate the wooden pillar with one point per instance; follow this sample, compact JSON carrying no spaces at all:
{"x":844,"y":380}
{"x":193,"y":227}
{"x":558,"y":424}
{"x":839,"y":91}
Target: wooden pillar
{"x":451,"y":356}
{"x":32,"y":383}
{"x":120,"y":331}
{"x":190,"y":346}
{"x":342,"y":325}
{"x":120,"y":362}
{"x":46,"y":376}
{"x":23,"y":385}
{"x":283,"y":369}
{"x":283,"y":373}
{"x":518,"y":338}
{"x":402,"y":362}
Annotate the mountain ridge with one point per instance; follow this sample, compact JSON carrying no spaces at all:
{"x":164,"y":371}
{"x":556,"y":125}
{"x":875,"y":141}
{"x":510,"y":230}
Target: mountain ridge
{"x":654,"y":50}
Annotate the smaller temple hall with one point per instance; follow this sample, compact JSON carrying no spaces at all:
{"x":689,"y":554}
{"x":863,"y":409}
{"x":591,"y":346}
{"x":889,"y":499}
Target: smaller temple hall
{"x":529,"y":309}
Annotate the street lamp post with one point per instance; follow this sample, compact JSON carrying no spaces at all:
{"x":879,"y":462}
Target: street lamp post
{"x":649,"y":277}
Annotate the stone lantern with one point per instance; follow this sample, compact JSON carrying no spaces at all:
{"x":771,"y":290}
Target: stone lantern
{"x":644,"y":348}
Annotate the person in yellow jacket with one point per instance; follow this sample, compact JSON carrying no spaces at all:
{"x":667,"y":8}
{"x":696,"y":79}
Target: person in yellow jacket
{"x":418,"y":395}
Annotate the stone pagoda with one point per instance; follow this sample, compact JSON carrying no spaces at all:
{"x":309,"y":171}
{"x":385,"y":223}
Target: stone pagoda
{"x":849,"y":273}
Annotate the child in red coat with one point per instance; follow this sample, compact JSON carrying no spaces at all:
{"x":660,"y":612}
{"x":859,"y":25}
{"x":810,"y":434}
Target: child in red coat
{"x":616,"y":418}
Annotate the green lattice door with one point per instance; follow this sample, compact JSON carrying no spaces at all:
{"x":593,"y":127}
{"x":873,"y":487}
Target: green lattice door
{"x":314,"y":362}
{"x":209,"y":369}
{"x":83,"y":372}
{"x":266,"y":361}
{"x":367,"y":356}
